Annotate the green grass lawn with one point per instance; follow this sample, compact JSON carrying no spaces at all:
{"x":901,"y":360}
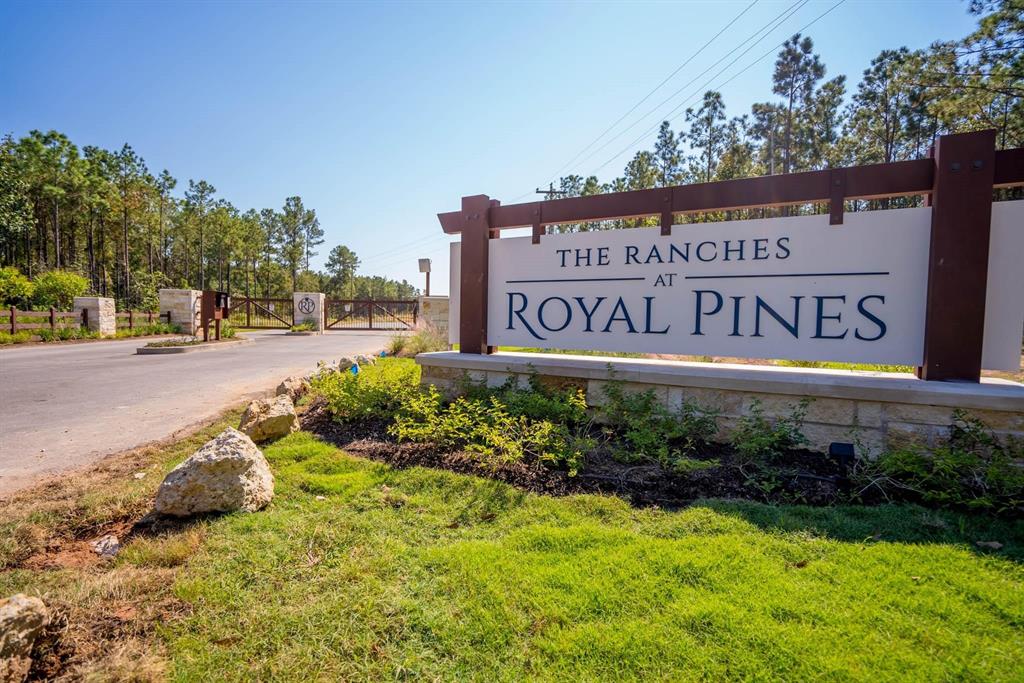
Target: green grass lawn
{"x":422,"y":573}
{"x":427,"y":574}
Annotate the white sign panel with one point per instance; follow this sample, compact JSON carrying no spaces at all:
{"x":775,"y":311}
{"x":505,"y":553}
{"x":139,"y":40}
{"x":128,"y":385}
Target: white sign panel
{"x":783,"y":288}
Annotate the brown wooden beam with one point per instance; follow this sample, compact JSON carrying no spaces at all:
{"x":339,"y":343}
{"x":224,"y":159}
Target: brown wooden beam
{"x":476,"y":233}
{"x":961,"y":201}
{"x":902,"y":178}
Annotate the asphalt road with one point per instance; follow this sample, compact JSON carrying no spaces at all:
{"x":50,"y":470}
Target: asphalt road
{"x":66,"y":406}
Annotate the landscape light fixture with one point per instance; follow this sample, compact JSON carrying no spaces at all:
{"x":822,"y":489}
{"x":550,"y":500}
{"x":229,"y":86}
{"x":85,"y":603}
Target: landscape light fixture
{"x":425,"y":268}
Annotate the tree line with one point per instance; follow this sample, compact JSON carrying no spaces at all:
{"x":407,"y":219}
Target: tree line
{"x":103,"y":215}
{"x":905,"y":99}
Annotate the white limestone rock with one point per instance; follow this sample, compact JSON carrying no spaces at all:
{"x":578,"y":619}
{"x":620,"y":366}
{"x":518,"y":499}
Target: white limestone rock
{"x":269,"y":418}
{"x":293,"y":387}
{"x":227,"y":474}
{"x":22,"y":619}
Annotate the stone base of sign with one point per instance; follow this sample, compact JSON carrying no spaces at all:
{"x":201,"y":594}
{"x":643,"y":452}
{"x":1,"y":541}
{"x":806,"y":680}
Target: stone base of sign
{"x":434,"y":312}
{"x":308,"y":307}
{"x":102,"y":314}
{"x":874,"y":410}
{"x":184,"y":307}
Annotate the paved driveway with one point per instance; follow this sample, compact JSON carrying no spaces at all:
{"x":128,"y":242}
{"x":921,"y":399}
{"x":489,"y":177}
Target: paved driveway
{"x":62,"y":407}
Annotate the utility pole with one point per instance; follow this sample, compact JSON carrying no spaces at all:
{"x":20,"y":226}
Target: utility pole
{"x":551,"y":192}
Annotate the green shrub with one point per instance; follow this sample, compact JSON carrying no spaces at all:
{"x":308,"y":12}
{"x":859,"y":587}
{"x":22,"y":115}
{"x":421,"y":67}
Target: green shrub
{"x":19,"y":337}
{"x":648,"y":430}
{"x":377,"y":391}
{"x":58,"y":288}
{"x":226,"y":330}
{"x":975,"y":469}
{"x":758,"y":439}
{"x":488,"y":427}
{"x":306,"y":326}
{"x":66,"y":334}
{"x":15,"y":288}
{"x":148,"y":329}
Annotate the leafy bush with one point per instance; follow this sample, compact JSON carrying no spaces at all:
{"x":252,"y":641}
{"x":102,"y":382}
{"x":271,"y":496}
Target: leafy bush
{"x":58,"y":288}
{"x":488,"y":426}
{"x":975,"y":469}
{"x":758,"y":439}
{"x":649,"y":430}
{"x":226,"y":330}
{"x":148,"y":329}
{"x":66,"y":334}
{"x":19,"y":337}
{"x":15,"y":288}
{"x":376,"y":391}
{"x":306,"y":326}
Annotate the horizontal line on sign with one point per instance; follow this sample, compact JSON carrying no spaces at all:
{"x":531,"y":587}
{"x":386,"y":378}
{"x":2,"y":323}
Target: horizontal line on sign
{"x":721,"y":277}
{"x":581,"y":279}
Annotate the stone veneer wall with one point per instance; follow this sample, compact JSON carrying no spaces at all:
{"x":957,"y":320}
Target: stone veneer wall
{"x":184,"y":307}
{"x":874,"y":410}
{"x":102,"y":313}
{"x":434,"y":312}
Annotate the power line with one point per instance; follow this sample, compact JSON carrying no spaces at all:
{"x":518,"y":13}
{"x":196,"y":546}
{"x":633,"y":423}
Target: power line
{"x":773,"y":24}
{"x":723,"y":83}
{"x":654,"y":90}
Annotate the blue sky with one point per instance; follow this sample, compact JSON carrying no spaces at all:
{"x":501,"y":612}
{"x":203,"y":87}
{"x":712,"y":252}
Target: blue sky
{"x":382,"y":114}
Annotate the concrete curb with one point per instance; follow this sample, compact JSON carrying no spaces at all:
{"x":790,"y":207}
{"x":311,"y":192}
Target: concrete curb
{"x":163,"y":350}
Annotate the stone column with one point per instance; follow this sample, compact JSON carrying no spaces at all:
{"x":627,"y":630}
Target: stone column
{"x":434,"y":313}
{"x":309,"y":307}
{"x":101,"y":314}
{"x":184,"y":307}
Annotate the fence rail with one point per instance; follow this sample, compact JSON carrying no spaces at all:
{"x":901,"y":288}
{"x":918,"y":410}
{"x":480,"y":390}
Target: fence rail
{"x":13,"y":319}
{"x":129,"y":319}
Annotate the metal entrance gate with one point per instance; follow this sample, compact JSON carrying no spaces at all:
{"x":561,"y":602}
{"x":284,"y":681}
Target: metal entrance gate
{"x":364,"y":314}
{"x":269,"y":314}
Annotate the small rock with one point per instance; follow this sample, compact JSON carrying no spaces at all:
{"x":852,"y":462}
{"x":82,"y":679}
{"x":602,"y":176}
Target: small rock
{"x":293,"y":387}
{"x":267,"y":419}
{"x":228,"y":473}
{"x":22,"y":619}
{"x":321,"y":497}
{"x":345,"y":363}
{"x":107,"y":546}
{"x":139,"y":475}
{"x":992,"y":545}
{"x":364,"y":360}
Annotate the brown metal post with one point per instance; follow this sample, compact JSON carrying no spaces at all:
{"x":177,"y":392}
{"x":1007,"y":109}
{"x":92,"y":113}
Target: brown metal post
{"x":248,"y":312}
{"x":428,"y":284}
{"x":961,"y":201}
{"x":473,"y":277}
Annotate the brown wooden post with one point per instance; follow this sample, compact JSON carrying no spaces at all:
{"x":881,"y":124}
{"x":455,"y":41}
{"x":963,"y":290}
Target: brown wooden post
{"x":473,"y":277}
{"x":53,"y":319}
{"x":131,"y":319}
{"x":14,"y":319}
{"x":961,"y":201}
{"x":85,"y":318}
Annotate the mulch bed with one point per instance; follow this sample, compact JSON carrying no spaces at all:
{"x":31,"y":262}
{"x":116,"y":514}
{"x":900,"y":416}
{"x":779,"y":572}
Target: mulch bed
{"x":797,"y":477}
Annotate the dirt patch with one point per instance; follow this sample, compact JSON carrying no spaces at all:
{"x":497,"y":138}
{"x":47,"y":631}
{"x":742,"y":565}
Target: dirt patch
{"x":798,"y":476}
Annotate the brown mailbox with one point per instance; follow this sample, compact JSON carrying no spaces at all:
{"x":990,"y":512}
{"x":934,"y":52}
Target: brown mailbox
{"x":214,"y":306}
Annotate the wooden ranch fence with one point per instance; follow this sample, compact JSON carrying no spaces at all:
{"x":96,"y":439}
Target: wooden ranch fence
{"x":52,"y":319}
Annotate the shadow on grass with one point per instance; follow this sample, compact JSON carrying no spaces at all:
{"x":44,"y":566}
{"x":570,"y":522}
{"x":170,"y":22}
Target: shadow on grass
{"x":893,"y":523}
